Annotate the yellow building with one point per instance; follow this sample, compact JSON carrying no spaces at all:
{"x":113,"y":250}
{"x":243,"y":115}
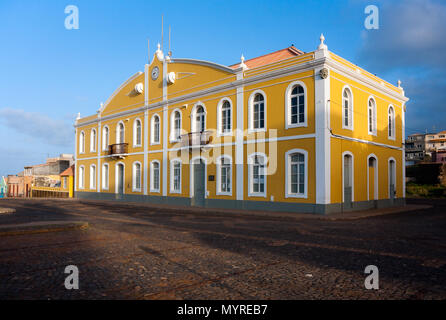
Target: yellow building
{"x":288,"y":131}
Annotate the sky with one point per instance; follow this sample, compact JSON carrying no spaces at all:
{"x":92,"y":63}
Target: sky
{"x":49,"y":73}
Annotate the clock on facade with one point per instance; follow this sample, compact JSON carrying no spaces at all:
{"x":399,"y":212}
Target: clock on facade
{"x":155,"y":73}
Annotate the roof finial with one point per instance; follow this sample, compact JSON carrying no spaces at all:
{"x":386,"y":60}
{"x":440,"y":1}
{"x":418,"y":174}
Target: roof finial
{"x":242,"y":62}
{"x":159,"y":47}
{"x":322,"y":45}
{"x":78,"y":116}
{"x":399,"y":83}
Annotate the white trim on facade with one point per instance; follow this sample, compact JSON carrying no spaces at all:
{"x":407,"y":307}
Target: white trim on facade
{"x":152,"y":130}
{"x":193,"y":113}
{"x":105,"y":183}
{"x":374,"y":119}
{"x":118,"y":136}
{"x":393,"y":136}
{"x":105,"y":142}
{"x":172,"y":137}
{"x":81,"y":142}
{"x":93,"y":140}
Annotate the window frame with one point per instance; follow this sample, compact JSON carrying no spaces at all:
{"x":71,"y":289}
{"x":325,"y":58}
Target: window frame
{"x":173,"y":123}
{"x":220,"y":132}
{"x":374,"y":132}
{"x":105,"y":177}
{"x":81,"y":148}
{"x":251,"y":128}
{"x":348,"y":153}
{"x":251,"y":192}
{"x":393,"y":125}
{"x":193,"y":124}
{"x":81,"y":177}
{"x":288,"y":193}
{"x":152,"y":176}
{"x":152,"y":130}
{"x":172,"y":175}
{"x":118,"y":135}
{"x":134,"y":180}
{"x":288,"y":91}
{"x":93,"y":182}
{"x":105,"y":142}
{"x":218,"y":169}
{"x":135,"y":133}
{"x":93,"y":137}
{"x":350,"y":109}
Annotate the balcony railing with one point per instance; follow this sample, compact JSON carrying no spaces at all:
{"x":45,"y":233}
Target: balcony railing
{"x":118,"y":149}
{"x":196,"y":139}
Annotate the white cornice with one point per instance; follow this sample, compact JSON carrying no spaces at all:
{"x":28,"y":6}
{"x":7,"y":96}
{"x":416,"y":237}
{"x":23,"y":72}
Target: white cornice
{"x":206,"y":63}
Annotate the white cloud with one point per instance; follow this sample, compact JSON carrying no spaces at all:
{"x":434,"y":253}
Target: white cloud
{"x":38,"y":126}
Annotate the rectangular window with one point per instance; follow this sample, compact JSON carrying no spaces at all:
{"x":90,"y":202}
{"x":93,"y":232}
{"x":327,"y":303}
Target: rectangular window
{"x":226,"y":120}
{"x":259,"y":115}
{"x":105,"y":177}
{"x":176,"y":176}
{"x":225,"y":179}
{"x":155,"y":176}
{"x":258,"y":176}
{"x":92,"y":177}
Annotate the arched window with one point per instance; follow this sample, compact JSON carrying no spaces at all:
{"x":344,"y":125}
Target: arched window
{"x":199,"y":119}
{"x":391,"y":122}
{"x":82,"y":142}
{"x":175,"y":176}
{"x":93,"y":140}
{"x":155,"y":136}
{"x":155,"y":176}
{"x":224,"y":175}
{"x":105,"y":176}
{"x":175,"y":128}
{"x":136,"y":177}
{"x":258,"y":112}
{"x":347,"y":109}
{"x":92,"y":176}
{"x":105,"y":138}
{"x":224,"y":117}
{"x":372,"y":116}
{"x":120,"y":133}
{"x":137,"y":133}
{"x":297,"y":105}
{"x":296,"y":173}
{"x":257,"y":175}
{"x":81,"y":177}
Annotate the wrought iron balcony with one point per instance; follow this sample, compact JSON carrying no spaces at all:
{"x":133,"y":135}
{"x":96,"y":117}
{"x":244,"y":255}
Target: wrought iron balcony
{"x":118,"y":149}
{"x":196,"y":139}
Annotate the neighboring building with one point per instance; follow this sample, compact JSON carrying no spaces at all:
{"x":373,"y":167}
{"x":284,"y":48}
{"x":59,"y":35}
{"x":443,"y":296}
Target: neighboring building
{"x":3,"y":187}
{"x":67,"y":181}
{"x":47,"y":177}
{"x":435,"y":141}
{"x":289,"y":131}
{"x":439,"y":155}
{"x":15,"y":185}
{"x":415,"y":148}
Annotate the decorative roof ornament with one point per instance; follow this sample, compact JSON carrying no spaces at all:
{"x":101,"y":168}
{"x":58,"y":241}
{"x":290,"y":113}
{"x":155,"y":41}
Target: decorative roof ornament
{"x":78,"y":116}
{"x":159,"y":53}
{"x":242,"y":62}
{"x":322,"y":45}
{"x":399,"y":83}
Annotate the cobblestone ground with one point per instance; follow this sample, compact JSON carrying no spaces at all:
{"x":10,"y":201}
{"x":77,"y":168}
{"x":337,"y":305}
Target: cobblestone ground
{"x":137,"y":252}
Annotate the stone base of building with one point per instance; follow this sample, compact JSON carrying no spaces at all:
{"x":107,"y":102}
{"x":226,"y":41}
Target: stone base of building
{"x":248,"y":204}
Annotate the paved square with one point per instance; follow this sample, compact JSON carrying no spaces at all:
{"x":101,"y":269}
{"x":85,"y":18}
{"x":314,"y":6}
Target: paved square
{"x":133,"y":251}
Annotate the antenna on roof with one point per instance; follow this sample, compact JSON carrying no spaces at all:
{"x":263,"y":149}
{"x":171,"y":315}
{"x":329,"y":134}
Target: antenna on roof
{"x":170,"y":52}
{"x":162,"y":32}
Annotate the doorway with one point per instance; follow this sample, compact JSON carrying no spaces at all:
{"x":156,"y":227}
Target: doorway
{"x":392,"y":180}
{"x":372,"y":175}
{"x":198,"y":183}
{"x":119,"y":180}
{"x":347,"y":182}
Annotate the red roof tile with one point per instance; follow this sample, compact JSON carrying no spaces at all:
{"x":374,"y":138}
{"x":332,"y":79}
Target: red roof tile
{"x":270,"y":58}
{"x":68,"y":172}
